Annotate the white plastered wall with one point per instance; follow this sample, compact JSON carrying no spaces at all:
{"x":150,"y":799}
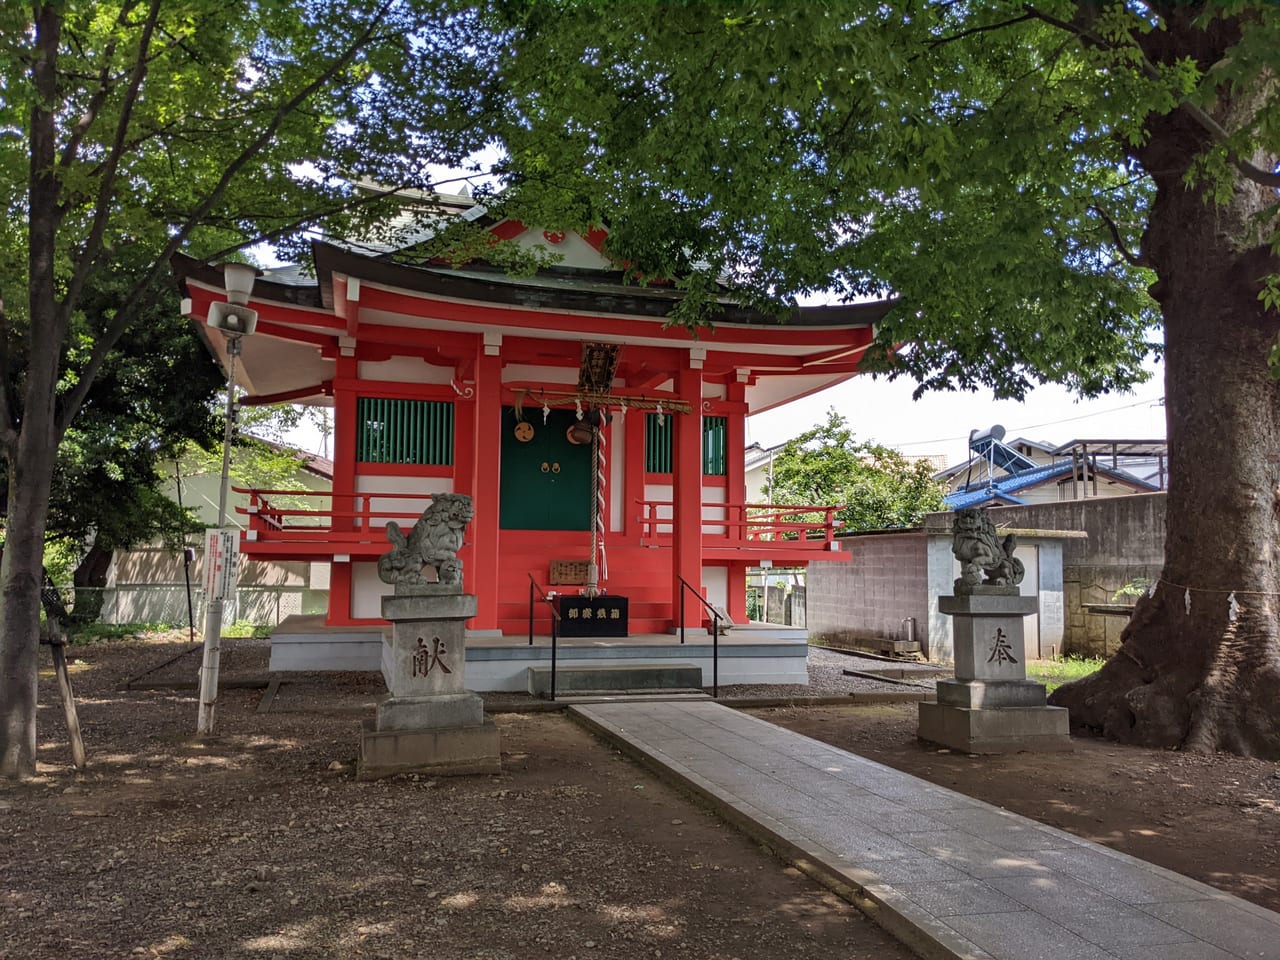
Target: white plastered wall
{"x":405,"y":370}
{"x":616,"y":453}
{"x":528,"y":372}
{"x":367,"y":591}
{"x":411,"y":507}
{"x":716,"y":582}
{"x":662,"y":493}
{"x":710,"y":496}
{"x":573,"y":251}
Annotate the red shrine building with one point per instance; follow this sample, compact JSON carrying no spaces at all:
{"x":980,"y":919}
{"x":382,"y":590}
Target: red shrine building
{"x":588,"y":432}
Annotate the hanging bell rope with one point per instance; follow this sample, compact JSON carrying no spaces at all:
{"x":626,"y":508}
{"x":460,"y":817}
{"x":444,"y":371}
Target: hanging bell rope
{"x":600,"y":502}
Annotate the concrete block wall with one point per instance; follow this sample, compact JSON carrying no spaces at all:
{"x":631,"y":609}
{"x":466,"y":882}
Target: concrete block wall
{"x":798,"y":604}
{"x":867,"y":598}
{"x":1092,"y":634}
{"x":1121,"y":530}
{"x":1124,"y":542}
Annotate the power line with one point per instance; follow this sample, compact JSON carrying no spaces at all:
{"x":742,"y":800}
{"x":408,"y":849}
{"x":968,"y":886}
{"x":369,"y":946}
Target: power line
{"x":1037,"y":426}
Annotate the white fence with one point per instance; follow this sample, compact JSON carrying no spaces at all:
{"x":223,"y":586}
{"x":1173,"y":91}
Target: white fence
{"x":167,"y":603}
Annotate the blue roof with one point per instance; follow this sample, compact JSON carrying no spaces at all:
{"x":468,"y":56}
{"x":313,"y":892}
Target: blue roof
{"x":1003,"y":490}
{"x":977,"y":498}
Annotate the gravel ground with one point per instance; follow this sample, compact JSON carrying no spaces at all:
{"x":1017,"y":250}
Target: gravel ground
{"x":828,"y":679}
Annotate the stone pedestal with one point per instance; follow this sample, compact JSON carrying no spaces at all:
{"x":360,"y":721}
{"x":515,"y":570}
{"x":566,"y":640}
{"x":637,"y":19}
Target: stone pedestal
{"x":991,"y":706}
{"x":431,"y":723}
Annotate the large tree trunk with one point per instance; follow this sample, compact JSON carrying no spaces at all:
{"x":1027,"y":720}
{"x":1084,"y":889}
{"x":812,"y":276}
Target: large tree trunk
{"x":1199,"y":663}
{"x":21,"y":578}
{"x":32,"y":449}
{"x":90,"y":580}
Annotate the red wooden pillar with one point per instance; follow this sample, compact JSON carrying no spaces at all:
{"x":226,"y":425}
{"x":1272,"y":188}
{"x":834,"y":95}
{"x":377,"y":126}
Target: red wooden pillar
{"x":686,"y":479}
{"x":340,"y":587}
{"x":487,"y":433}
{"x":735,"y":447}
{"x":464,"y":479}
{"x":345,"y":431}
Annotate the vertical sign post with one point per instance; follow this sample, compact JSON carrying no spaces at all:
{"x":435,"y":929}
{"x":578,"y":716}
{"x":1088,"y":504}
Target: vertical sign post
{"x":221,"y":557}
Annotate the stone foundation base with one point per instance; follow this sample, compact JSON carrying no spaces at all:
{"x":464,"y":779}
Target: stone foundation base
{"x":1004,"y":730}
{"x":441,"y":751}
{"x":991,"y":694}
{"x":425,"y":713}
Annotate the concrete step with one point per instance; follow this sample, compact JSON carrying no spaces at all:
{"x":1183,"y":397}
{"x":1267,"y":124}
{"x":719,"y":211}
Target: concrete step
{"x":615,"y":677}
{"x":632,"y":696}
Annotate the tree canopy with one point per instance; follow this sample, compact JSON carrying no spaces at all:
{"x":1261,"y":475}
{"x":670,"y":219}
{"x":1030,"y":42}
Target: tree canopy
{"x":879,"y":486}
{"x":132,"y":129}
{"x":154,"y":395}
{"x":1051,"y":190}
{"x":974,"y":168}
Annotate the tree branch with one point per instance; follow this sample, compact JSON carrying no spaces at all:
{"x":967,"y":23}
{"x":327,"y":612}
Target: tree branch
{"x":318,"y":216}
{"x":1133,"y":259}
{"x":105,"y":84}
{"x":1207,"y":123}
{"x":90,"y":114}
{"x":983,"y":29}
{"x":107,"y":339}
{"x":87,"y":262}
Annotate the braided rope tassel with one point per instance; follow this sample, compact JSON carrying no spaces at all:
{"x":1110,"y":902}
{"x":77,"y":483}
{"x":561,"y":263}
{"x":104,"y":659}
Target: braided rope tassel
{"x":600,"y":505}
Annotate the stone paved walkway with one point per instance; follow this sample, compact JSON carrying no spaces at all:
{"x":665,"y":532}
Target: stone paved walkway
{"x":949,"y":875}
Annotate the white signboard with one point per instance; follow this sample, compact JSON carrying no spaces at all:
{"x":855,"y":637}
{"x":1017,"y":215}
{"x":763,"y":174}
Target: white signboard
{"x":221,"y":554}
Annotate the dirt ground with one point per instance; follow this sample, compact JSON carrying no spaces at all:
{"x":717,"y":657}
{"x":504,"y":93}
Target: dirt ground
{"x":259,"y":843}
{"x":252,"y":846}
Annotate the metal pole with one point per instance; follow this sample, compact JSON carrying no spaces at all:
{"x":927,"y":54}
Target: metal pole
{"x":553,"y":656}
{"x":187,"y":556}
{"x":682,"y":586}
{"x":213,"y":606}
{"x":715,"y":658}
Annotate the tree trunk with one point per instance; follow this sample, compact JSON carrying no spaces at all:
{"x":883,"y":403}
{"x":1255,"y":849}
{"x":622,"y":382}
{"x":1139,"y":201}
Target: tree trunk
{"x":90,"y":579}
{"x":1199,"y":663}
{"x":32,"y":449}
{"x":21,"y":576}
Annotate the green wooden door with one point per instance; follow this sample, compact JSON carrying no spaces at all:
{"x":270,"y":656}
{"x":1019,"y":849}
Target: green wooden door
{"x":546,"y":480}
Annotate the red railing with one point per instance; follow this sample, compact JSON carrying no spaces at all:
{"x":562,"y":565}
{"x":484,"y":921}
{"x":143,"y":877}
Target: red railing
{"x":746,"y":524}
{"x":301,"y":516}
{"x":322,"y":515}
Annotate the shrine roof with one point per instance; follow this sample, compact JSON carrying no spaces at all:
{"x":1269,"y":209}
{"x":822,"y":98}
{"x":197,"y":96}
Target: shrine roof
{"x":563,"y":288}
{"x":555,"y":288}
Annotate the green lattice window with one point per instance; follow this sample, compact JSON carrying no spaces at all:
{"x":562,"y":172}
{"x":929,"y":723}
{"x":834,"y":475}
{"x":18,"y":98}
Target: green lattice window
{"x":404,"y":431}
{"x":715,"y":438}
{"x":658,"y":444}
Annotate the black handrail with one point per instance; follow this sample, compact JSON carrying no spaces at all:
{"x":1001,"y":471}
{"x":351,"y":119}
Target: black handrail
{"x":715,"y":632}
{"x":555,"y":620}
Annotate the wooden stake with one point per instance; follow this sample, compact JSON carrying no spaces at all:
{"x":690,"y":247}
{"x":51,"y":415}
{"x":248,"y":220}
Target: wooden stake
{"x":68,"y":697}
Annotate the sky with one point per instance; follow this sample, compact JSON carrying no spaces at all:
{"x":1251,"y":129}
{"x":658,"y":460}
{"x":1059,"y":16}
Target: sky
{"x":939,"y":423}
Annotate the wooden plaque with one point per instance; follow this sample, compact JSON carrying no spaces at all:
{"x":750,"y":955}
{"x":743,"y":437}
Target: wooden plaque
{"x":568,"y":572}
